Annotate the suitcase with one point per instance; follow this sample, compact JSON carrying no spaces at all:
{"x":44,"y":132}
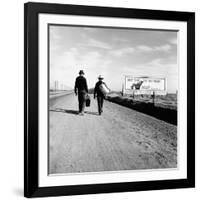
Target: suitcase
{"x":104,"y":89}
{"x":87,"y":101}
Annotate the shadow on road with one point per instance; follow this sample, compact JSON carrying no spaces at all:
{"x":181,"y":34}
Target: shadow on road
{"x":91,"y":113}
{"x":74,"y":112}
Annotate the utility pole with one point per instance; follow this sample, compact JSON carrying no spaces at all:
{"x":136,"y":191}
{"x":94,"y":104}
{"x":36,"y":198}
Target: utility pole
{"x":55,"y":86}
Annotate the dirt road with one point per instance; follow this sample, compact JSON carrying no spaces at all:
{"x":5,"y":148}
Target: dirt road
{"x":120,"y":139}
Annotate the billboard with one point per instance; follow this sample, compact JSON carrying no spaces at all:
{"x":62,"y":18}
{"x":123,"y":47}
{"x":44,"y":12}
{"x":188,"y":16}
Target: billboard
{"x":145,"y":83}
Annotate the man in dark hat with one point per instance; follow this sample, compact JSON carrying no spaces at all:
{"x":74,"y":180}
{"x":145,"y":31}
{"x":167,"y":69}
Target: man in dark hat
{"x":81,"y":89}
{"x":99,"y":92}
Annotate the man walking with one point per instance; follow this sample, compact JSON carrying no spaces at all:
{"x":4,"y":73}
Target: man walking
{"x":81,"y":89}
{"x":99,"y":91}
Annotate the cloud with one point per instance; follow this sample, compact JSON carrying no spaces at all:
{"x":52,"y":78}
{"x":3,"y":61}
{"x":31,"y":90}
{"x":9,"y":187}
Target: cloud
{"x":120,"y":39}
{"x":65,"y":60}
{"x":54,"y":39}
{"x":90,"y":30}
{"x":54,"y":47}
{"x":155,"y":62}
{"x":73,"y":51}
{"x":54,"y":34}
{"x":123,"y":51}
{"x":156,"y":68}
{"x":145,"y":48}
{"x":164,"y":48}
{"x":173,"y":41}
{"x":65,"y":66}
{"x":141,"y":49}
{"x":73,"y":58}
{"x":90,"y":59}
{"x":98,"y":44}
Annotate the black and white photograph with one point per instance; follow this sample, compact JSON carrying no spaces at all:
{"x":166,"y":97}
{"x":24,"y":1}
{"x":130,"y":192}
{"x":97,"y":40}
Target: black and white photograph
{"x":109,"y":99}
{"x":112,"y":99}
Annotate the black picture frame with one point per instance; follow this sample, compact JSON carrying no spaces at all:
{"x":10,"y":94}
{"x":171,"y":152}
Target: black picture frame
{"x":31,"y":94}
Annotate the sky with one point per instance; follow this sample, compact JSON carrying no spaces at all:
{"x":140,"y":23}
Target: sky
{"x":113,"y":53}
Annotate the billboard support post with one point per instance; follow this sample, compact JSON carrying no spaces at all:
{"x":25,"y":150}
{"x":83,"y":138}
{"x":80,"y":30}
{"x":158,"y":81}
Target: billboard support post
{"x":122,"y":89}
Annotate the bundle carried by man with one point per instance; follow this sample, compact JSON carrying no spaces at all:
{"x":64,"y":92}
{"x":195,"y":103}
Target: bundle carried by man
{"x":103,"y":87}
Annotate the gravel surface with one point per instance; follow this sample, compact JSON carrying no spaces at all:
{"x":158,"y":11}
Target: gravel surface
{"x":119,"y":139}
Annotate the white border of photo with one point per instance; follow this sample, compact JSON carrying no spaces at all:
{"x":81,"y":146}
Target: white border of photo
{"x":180,"y":172}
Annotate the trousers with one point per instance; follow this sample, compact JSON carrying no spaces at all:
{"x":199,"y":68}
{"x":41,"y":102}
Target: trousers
{"x":100,"y":100}
{"x":81,"y":101}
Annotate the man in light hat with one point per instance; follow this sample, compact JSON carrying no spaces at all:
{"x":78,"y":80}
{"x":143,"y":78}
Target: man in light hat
{"x":81,"y":89}
{"x":100,"y":95}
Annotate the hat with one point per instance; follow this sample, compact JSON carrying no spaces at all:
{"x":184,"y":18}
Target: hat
{"x":81,"y":72}
{"x":100,"y":77}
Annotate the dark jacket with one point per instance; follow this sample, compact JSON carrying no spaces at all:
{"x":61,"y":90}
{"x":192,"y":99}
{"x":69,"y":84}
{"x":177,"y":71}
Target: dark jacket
{"x":80,"y":84}
{"x":97,"y":89}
